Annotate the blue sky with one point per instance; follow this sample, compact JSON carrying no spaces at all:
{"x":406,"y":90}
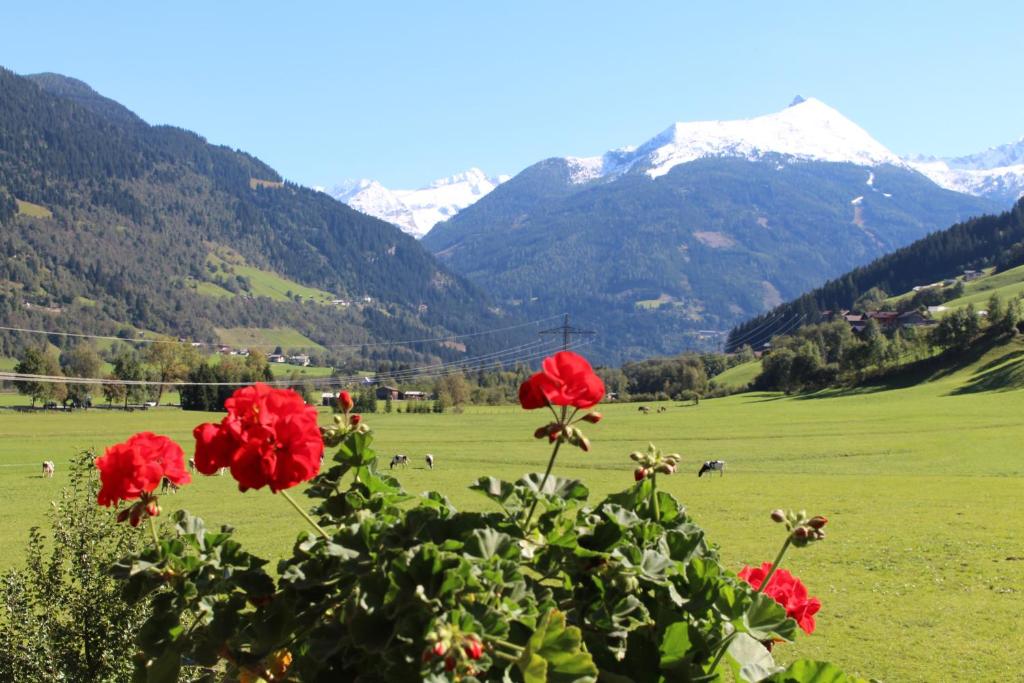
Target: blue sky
{"x":409,"y":91}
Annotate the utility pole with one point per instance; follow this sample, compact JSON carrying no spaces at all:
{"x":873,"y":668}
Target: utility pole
{"x":567,"y":330}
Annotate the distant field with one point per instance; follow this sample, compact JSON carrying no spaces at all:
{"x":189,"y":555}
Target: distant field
{"x":920,"y":578}
{"x":1008,"y":285}
{"x":33,"y":210}
{"x":739,"y":376}
{"x":263,"y":282}
{"x":285,"y":370}
{"x":265,"y":339}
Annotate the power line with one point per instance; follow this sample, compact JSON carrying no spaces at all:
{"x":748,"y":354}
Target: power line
{"x":450,"y":337}
{"x":493,"y":360}
{"x":567,"y":330}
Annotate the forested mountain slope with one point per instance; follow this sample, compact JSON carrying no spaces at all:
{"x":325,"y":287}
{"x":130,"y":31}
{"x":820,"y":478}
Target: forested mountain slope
{"x":109,"y":223}
{"x":990,"y":240}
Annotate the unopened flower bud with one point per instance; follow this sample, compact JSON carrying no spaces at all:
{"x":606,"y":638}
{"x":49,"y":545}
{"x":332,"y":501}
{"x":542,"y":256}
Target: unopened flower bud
{"x":354,"y":420}
{"x":639,"y":473}
{"x":540,"y":432}
{"x":553,"y":435}
{"x":635,"y":456}
{"x":817,"y":522}
{"x":439,"y":649}
{"x":800,"y":532}
{"x":584,"y":444}
{"x":123,"y":514}
{"x":778,"y":516}
{"x":136,"y":515}
{"x":592,"y":418}
{"x":449,"y":664}
{"x":345,"y":401}
{"x":473,"y":648}
{"x":152,"y":509}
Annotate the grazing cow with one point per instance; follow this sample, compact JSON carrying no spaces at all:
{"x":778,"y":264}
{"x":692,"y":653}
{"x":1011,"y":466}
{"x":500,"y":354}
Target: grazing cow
{"x":399,"y":460}
{"x":644,"y":409}
{"x":430,"y":461}
{"x":166,"y":484}
{"x":191,"y":464}
{"x":48,"y":468}
{"x":711,"y":466}
{"x":662,"y":409}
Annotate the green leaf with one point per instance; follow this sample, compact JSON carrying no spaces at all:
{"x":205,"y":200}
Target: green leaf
{"x":164,"y":669}
{"x":765,"y":619}
{"x":809,"y":671}
{"x":675,"y":645}
{"x":501,"y":492}
{"x":555,"y":487}
{"x":488,"y":543}
{"x":751,"y":661}
{"x":554,"y":654}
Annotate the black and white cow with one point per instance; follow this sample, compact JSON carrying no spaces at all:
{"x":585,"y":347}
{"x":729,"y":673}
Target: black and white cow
{"x":168,"y":485}
{"x":430,"y":461}
{"x":399,"y":461}
{"x":712,"y":466}
{"x":48,"y":468}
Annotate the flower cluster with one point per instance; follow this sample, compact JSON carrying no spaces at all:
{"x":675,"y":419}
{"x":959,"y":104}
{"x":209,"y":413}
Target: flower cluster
{"x":788,"y":591}
{"x":453,"y":650}
{"x":802,"y":529}
{"x":345,"y":421}
{"x":133,"y":469}
{"x":269,"y":438}
{"x":653,"y":461}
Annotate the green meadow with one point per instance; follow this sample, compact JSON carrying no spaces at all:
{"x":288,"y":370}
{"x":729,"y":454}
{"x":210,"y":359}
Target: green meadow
{"x":921,"y":576}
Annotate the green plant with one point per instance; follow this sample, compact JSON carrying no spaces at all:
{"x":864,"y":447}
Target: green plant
{"x":396,"y":588}
{"x":63,"y":619}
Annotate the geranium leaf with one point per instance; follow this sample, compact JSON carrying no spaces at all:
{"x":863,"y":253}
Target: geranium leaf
{"x":809,"y":671}
{"x":675,"y":645}
{"x":765,"y":619}
{"x":751,"y":661}
{"x":554,"y":654}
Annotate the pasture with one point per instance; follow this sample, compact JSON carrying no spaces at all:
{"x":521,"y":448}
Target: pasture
{"x":921,"y":577}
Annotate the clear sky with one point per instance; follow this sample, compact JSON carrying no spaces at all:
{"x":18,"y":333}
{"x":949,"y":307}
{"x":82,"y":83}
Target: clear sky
{"x":406,"y":92}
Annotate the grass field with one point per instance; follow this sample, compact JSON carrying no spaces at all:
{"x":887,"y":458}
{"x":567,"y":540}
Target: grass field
{"x":921,"y":577}
{"x":739,"y":376}
{"x":265,"y":339}
{"x":33,"y":210}
{"x":263,"y":282}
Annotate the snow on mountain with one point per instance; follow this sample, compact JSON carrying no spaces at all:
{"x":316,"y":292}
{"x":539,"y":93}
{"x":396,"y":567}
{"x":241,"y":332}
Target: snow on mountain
{"x":417,"y":211}
{"x":997,"y":173}
{"x":807,"y":130}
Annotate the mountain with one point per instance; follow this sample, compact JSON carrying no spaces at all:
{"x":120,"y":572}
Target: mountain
{"x":417,"y":211}
{"x":997,"y":173}
{"x":667,"y":244}
{"x":111,"y":226}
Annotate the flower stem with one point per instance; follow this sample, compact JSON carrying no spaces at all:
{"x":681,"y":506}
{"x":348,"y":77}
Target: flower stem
{"x":547,"y":473}
{"x":305,"y":515}
{"x":723,"y":648}
{"x":156,"y":536}
{"x":511,"y":646}
{"x":655,"y":508}
{"x":775,"y":564}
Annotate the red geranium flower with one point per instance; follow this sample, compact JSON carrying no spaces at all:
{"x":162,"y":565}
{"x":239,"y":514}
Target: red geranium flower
{"x":129,"y":469}
{"x":268,"y":438}
{"x":788,"y":591}
{"x":565,"y":379}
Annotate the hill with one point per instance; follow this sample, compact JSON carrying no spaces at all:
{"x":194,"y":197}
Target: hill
{"x":666,"y":245}
{"x":108,"y":223}
{"x":988,"y":241}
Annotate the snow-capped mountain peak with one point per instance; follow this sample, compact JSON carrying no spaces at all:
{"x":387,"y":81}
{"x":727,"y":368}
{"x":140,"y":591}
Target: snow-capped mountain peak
{"x":997,"y":172}
{"x":417,"y":211}
{"x":807,"y":130}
